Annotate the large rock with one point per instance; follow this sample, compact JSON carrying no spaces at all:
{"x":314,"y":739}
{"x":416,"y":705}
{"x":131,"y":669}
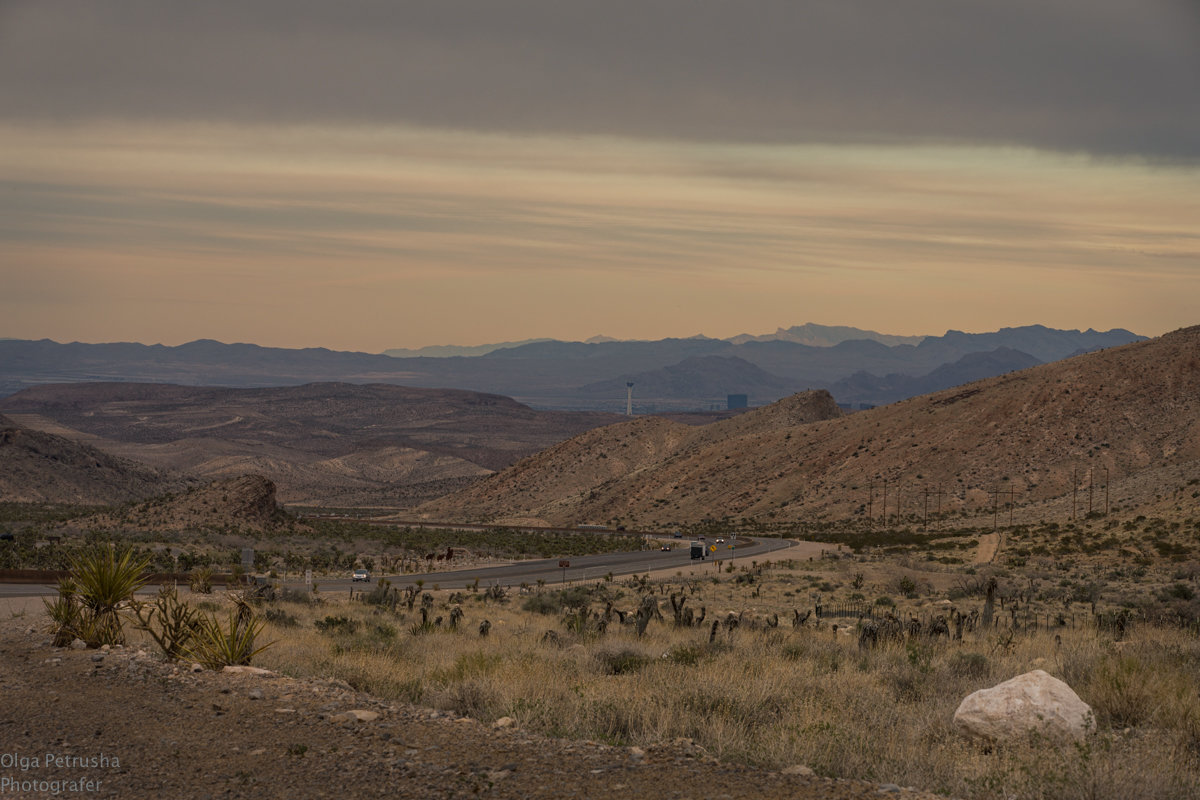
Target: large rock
{"x":1033,"y":702}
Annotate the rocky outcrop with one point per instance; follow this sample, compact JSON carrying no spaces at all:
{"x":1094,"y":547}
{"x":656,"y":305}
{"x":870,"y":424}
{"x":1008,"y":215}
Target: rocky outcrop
{"x":1035,"y":702}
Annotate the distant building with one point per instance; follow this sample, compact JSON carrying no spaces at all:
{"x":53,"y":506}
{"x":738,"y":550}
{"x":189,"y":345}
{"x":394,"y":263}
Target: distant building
{"x":737,"y":401}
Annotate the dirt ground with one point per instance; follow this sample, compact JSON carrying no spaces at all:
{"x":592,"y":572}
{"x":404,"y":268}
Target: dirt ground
{"x":125,"y":724}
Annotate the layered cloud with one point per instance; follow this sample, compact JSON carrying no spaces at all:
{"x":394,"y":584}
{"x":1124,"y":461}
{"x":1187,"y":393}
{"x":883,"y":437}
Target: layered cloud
{"x":1100,"y":76}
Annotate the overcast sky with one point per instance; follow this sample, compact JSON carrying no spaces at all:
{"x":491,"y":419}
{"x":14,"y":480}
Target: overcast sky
{"x":364,"y":175}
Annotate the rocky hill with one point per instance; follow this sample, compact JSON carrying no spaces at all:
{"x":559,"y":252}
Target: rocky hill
{"x":1129,"y":414}
{"x":335,"y":444}
{"x":37,"y":467}
{"x":243,"y":503}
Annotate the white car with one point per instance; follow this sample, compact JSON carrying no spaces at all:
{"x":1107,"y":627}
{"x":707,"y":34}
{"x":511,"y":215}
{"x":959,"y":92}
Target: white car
{"x":361,"y":575}
{"x":720,"y":541}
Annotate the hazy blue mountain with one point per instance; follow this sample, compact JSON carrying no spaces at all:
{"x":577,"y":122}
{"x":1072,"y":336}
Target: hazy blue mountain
{"x":708,"y":379}
{"x":451,"y":350}
{"x":546,"y":374}
{"x":863,"y":388}
{"x":815,"y":335}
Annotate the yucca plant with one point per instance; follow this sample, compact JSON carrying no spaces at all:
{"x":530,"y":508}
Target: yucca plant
{"x":105,"y":581}
{"x":65,"y":614}
{"x":202,"y":580}
{"x":215,"y":646}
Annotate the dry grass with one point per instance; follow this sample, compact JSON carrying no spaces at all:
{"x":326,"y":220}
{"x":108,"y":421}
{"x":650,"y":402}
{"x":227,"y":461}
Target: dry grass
{"x":778,"y":696}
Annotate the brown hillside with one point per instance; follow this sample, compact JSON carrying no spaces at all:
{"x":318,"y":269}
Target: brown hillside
{"x":322,"y":444}
{"x":1133,"y":410}
{"x":37,"y":467}
{"x":245,"y":503}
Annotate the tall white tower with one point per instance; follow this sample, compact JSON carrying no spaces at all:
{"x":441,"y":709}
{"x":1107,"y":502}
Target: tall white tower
{"x":629,"y":398}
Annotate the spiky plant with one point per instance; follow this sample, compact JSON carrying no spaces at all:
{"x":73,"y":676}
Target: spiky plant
{"x":65,"y":614}
{"x":171,"y":623}
{"x":105,"y":580}
{"x":215,"y":646}
{"x":201,"y":580}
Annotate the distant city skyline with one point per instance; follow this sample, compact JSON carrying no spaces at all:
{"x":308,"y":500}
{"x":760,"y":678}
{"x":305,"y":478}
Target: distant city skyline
{"x":374,"y":175}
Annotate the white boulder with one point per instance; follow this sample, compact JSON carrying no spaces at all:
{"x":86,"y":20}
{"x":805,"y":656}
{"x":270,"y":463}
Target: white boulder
{"x":1033,"y":702}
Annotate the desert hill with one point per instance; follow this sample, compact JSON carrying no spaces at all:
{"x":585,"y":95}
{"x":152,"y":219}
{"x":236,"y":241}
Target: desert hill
{"x":336,"y":444}
{"x":242,"y":503}
{"x":37,"y":467}
{"x":1133,"y":411}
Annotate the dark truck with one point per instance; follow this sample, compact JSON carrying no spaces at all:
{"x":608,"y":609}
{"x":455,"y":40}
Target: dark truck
{"x":697,"y":550}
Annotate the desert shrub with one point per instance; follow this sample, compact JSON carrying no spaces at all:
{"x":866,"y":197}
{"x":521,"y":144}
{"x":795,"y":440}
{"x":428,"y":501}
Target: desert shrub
{"x":687,"y":655}
{"x":171,"y":624}
{"x":201,"y":581}
{"x":622,"y":661}
{"x":542,"y":604}
{"x":1120,"y":691}
{"x":970,"y":665}
{"x":332,"y":624}
{"x":286,"y":595}
{"x":216,"y":646}
{"x":277,"y":616}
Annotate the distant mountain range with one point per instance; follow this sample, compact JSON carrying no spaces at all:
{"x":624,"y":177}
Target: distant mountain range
{"x":860,"y":368}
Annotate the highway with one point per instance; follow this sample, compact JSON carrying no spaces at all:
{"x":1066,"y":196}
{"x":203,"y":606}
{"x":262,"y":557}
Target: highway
{"x":582,"y":568}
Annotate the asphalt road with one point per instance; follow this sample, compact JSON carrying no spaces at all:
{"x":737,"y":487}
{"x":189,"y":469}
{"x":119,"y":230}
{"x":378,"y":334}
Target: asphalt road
{"x":582,"y":568}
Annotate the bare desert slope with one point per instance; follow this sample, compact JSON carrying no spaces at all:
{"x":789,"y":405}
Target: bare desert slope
{"x":1130,"y":414}
{"x":38,"y":467}
{"x":328,"y":443}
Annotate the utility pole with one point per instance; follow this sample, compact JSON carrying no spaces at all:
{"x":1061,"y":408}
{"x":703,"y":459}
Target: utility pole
{"x":1106,"y":491}
{"x":885,"y":501}
{"x":1012,"y":495}
{"x":1074,"y":492}
{"x":925,"y":524}
{"x":995,"y":508}
{"x":871,"y":502}
{"x":1091,"y":487}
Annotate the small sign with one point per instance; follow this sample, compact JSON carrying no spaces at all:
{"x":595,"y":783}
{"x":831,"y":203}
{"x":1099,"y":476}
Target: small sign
{"x":308,"y":577}
{"x":247,"y":557}
{"x":712,"y":548}
{"x":563,"y":563}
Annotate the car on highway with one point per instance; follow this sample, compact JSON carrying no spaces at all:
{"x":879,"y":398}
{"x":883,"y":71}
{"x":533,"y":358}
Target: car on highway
{"x":720,"y":541}
{"x":361,"y":575}
{"x":666,"y":548}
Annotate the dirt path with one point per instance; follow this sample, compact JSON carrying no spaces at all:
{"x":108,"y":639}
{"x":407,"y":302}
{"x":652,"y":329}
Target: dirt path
{"x":136,"y":727}
{"x":989,"y":545}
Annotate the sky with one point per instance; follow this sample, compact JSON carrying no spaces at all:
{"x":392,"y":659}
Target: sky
{"x":373,"y":175}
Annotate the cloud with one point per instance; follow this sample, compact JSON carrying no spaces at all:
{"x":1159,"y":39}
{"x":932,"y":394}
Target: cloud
{"x":1105,"y":77}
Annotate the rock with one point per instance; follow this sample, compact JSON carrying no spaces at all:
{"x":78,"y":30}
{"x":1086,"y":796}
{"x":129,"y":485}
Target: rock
{"x":504,"y":722}
{"x":637,"y":753}
{"x":97,"y":657}
{"x":242,"y":670}
{"x":78,"y":644}
{"x":196,"y":668}
{"x":256,"y":694}
{"x":355,"y":715}
{"x":798,"y":769}
{"x":1033,"y":702}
